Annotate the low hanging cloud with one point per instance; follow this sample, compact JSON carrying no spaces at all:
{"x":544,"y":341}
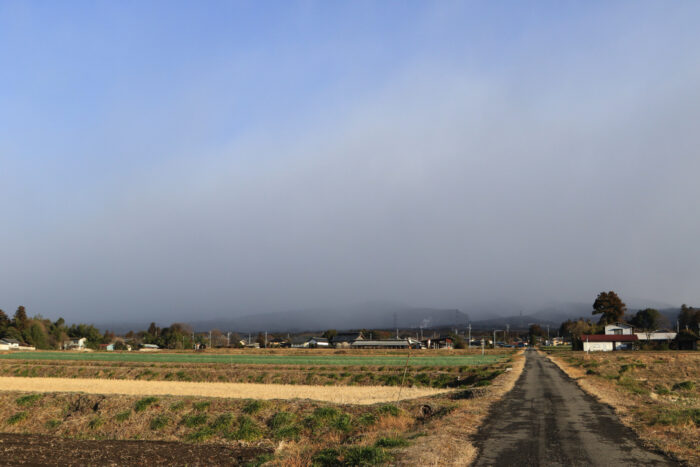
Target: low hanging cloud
{"x":444,"y":188}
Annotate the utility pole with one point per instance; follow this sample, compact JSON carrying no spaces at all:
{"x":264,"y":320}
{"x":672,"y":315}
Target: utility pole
{"x":507,"y":332}
{"x":548,"y":334}
{"x":469,"y":342}
{"x":228,"y":339}
{"x":210,"y":346}
{"x":265,"y":339}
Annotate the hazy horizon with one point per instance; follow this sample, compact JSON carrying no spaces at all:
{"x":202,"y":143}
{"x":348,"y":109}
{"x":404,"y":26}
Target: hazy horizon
{"x":165,"y":159}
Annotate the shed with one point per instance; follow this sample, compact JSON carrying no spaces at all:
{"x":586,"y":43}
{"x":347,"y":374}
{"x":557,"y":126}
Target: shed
{"x":607,"y":343}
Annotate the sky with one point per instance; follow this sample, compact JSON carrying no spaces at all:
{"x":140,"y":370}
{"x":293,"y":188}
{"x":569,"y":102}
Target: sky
{"x":207,"y":159}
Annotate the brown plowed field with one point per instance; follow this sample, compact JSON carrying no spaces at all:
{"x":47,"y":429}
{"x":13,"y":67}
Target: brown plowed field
{"x":47,"y":450}
{"x":337,"y":394}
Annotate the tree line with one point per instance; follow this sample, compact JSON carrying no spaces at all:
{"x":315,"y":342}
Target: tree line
{"x":613,"y":310}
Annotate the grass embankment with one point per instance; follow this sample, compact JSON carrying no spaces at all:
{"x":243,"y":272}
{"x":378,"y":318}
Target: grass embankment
{"x":657,"y":394}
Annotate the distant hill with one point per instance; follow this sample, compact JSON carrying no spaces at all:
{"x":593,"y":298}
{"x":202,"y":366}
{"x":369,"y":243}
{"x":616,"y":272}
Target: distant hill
{"x":381,"y":316}
{"x":310,"y":320}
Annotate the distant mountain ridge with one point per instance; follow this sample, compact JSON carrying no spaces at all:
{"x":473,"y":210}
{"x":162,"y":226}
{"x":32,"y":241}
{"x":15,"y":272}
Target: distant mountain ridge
{"x":382,"y":315}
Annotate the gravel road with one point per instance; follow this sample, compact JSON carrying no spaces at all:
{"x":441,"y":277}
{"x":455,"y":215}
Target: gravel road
{"x":548,"y":420}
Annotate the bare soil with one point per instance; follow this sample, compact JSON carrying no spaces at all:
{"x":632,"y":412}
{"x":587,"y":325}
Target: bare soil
{"x":18,"y":449}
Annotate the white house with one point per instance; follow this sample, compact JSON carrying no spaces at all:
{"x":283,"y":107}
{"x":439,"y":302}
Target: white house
{"x":317,"y":342}
{"x":607,"y":342}
{"x":9,"y":344}
{"x":658,"y":335}
{"x":149,"y":348}
{"x":618,"y":329}
{"x":75,"y":344}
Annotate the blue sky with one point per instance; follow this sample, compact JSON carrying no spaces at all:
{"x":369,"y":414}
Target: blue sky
{"x":167,"y":154}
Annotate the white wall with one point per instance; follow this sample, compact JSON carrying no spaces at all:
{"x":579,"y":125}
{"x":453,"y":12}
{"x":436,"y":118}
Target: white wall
{"x":597,"y":346}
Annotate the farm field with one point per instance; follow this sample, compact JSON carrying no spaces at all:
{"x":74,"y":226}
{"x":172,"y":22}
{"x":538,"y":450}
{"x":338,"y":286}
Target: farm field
{"x":263,"y":359}
{"x":418,"y":376}
{"x":657,"y":394}
{"x":341,"y":415}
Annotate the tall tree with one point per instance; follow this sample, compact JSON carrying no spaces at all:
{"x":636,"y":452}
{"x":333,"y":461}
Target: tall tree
{"x":648,"y":319}
{"x":689,"y":318}
{"x":4,"y":321}
{"x":611,"y":308}
{"x":20,"y":319}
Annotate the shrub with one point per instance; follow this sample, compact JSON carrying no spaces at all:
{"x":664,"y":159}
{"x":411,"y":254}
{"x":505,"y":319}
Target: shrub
{"x":177,"y":406}
{"x":367,"y":419}
{"x":200,"y":435}
{"x":326,"y":458}
{"x":253,"y":406}
{"x":203,"y":405}
{"x":194,"y":420}
{"x":288,"y":432}
{"x":389,"y":409}
{"x":684,"y":385}
{"x":325,"y":413}
{"x":123,"y":416}
{"x":391,"y":442}
{"x":247,"y":430}
{"x":95,"y":423}
{"x":365,"y":455}
{"x":281,"y":419}
{"x":159,"y":422}
{"x":144,"y":403}
{"x":222,"y":422}
{"x":53,"y":423}
{"x":677,"y":417}
{"x":343,"y":422}
{"x":16,"y":418}
{"x":29,"y":399}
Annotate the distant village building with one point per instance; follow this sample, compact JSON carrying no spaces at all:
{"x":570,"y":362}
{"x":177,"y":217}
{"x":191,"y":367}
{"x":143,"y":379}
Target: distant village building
{"x":346,"y":339}
{"x":317,"y":342}
{"x":658,"y":335}
{"x":443,"y":342}
{"x":608,"y":342}
{"x":149,"y":348}
{"x":387,"y":344}
{"x":9,"y":344}
{"x":77,"y":343}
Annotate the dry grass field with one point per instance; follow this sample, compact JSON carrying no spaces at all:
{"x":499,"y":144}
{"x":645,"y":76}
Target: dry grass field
{"x":655,"y":393}
{"x":361,"y":395}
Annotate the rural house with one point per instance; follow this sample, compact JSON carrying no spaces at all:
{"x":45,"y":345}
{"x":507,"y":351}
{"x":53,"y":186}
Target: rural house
{"x":317,"y":342}
{"x":346,"y":339}
{"x":658,"y":335}
{"x":387,"y":344}
{"x":77,"y":343}
{"x":9,"y":344}
{"x":442,"y":342}
{"x":608,"y":342}
{"x":618,"y":329}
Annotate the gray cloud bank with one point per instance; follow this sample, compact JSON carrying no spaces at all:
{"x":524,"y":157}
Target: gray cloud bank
{"x":442,"y":189}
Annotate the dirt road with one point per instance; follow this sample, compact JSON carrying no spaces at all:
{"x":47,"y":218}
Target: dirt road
{"x":548,"y":420}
